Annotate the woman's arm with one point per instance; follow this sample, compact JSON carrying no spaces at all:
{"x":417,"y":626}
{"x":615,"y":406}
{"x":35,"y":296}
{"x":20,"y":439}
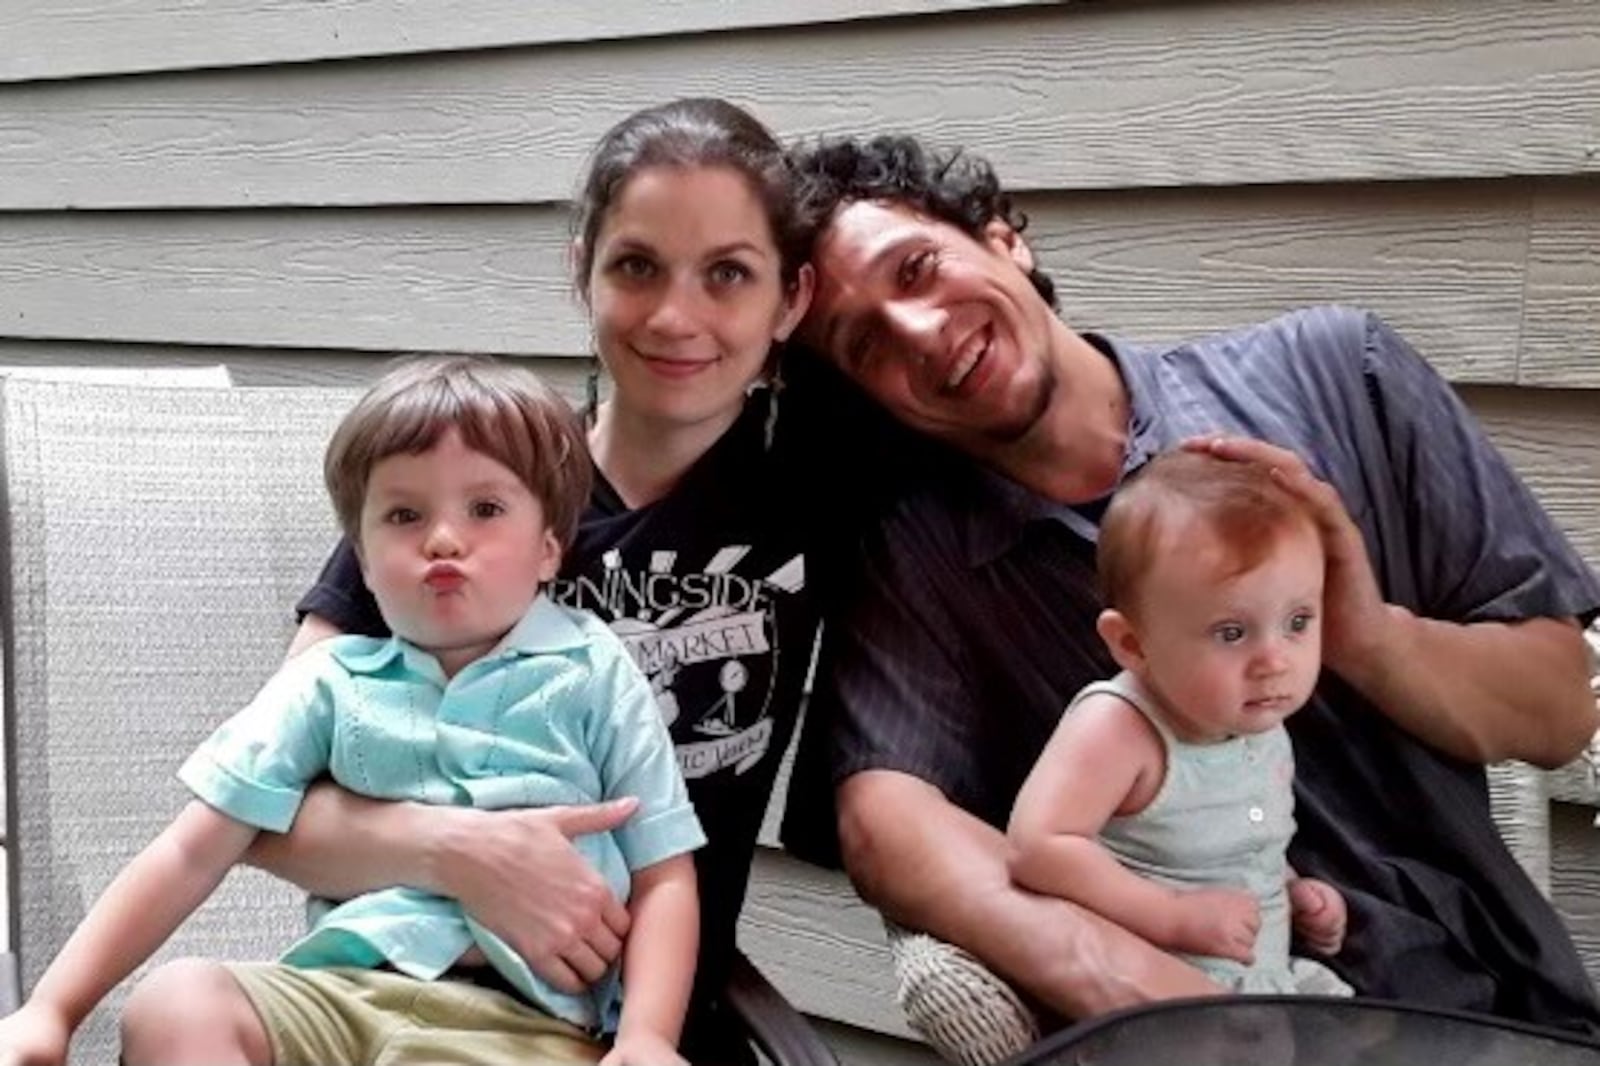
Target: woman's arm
{"x":135,"y":915}
{"x":658,"y":963}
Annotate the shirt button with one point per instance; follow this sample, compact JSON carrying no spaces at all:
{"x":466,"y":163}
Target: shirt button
{"x":1257,"y":814}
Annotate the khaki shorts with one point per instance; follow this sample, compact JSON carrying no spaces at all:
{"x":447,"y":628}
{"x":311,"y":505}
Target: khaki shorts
{"x":381,"y":1018}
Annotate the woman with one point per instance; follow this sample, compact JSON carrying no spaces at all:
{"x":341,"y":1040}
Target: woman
{"x":699,"y":547}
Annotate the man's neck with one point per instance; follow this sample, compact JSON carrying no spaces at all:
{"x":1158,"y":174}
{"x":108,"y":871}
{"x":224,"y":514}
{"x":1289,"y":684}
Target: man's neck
{"x":1075,"y":452}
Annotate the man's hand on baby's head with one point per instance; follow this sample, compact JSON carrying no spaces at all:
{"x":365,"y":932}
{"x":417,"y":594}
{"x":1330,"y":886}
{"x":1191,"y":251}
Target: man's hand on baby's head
{"x":1217,"y":921}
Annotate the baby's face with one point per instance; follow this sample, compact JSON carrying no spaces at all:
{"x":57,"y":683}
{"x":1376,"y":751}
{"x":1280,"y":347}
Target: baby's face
{"x":454,"y":548}
{"x":1232,"y":653}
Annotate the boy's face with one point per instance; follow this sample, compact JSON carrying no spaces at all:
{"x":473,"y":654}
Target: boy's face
{"x":454,"y":548}
{"x":1229,"y":654}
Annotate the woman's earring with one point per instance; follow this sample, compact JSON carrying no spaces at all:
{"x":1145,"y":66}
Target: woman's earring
{"x":591,"y":388}
{"x":775,"y":386}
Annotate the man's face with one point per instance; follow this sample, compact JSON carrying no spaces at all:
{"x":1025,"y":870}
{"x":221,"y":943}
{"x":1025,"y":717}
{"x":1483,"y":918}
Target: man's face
{"x":943,"y":330}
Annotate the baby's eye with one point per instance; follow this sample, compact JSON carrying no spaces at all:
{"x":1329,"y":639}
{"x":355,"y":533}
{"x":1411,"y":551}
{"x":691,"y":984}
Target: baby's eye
{"x":400,"y":516}
{"x":1300,"y":621}
{"x":487,"y":509}
{"x":1228,"y":633}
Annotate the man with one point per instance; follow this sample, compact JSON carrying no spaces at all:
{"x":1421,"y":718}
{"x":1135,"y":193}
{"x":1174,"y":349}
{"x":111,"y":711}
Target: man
{"x":1452,"y":602}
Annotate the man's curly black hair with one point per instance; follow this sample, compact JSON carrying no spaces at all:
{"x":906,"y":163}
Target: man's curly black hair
{"x":952,"y":186}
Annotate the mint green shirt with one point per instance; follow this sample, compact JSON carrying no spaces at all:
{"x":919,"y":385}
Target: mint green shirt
{"x":557,"y":713}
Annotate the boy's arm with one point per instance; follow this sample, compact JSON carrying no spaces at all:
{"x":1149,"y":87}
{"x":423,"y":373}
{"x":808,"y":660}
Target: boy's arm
{"x":140,"y":909}
{"x":658,"y":963}
{"x":1105,"y":759}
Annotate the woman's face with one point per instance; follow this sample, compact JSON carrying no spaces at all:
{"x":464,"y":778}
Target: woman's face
{"x":686,"y":294}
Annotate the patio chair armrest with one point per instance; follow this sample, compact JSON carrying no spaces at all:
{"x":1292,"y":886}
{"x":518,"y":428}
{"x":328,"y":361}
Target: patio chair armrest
{"x":771,"y":1022}
{"x":10,"y":983}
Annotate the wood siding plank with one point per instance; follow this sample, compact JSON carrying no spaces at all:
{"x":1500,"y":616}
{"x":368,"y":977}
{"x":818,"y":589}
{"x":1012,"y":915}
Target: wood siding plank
{"x":253,"y":367}
{"x":83,"y":38}
{"x":1561,"y":332}
{"x":1549,"y":438}
{"x":1575,"y":879}
{"x":1063,"y":96}
{"x":1444,"y":262}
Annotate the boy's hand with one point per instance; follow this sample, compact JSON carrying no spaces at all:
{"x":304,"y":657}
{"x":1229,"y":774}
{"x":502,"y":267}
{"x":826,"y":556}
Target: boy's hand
{"x":643,"y":1049}
{"x":1217,"y":921}
{"x":1319,"y":915}
{"x":34,"y":1036}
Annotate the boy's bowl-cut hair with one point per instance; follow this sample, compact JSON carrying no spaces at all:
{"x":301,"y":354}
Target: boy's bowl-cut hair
{"x":501,"y":410}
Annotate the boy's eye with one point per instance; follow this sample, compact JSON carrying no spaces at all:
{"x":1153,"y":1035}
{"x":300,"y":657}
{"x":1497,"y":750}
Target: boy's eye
{"x":399,"y":516}
{"x":487,"y":509}
{"x":1228,"y":633}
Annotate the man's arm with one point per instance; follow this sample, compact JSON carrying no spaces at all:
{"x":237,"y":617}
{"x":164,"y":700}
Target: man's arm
{"x":1481,"y":691}
{"x":929,"y":865}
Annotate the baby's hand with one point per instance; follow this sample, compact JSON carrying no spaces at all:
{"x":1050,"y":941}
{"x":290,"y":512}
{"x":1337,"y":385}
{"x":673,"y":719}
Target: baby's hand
{"x":1318,"y":912}
{"x":1218,"y":921}
{"x":33,"y":1036}
{"x":642,"y":1049}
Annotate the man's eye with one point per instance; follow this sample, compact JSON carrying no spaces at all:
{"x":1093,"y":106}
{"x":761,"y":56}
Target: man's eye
{"x":915,"y":268}
{"x":729,"y":272}
{"x":487,"y":509}
{"x":1229,"y":633}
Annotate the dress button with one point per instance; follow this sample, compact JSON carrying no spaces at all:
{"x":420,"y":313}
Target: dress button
{"x":1257,"y":814}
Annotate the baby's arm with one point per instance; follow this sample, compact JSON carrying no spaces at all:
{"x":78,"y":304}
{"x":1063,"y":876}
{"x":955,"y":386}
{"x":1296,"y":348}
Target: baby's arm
{"x":1105,"y":760}
{"x":658,"y":962}
{"x":135,"y":915}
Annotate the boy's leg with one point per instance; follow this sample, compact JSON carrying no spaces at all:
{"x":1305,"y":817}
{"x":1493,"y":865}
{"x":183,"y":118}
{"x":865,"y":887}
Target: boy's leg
{"x":455,"y":1023}
{"x":192,"y":1011}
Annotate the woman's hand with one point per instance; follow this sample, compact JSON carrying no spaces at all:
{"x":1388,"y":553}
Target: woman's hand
{"x":517,"y":872}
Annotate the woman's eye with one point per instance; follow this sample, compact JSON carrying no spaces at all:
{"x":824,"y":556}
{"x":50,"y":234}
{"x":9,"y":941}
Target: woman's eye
{"x":634,"y":267}
{"x":1231,"y":633}
{"x":729,"y":272}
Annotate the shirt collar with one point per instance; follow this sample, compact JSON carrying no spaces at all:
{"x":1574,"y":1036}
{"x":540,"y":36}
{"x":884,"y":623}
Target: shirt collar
{"x":544,"y":629}
{"x":995,"y":511}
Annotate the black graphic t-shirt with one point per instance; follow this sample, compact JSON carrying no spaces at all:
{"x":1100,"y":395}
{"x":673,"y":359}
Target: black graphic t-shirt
{"x":716,"y":589}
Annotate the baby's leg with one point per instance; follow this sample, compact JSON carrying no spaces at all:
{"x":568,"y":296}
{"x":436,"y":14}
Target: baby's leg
{"x":192,"y":1013}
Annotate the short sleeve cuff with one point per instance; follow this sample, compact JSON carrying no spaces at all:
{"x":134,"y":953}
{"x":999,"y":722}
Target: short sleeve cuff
{"x":649,"y":840}
{"x":264,"y":806}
